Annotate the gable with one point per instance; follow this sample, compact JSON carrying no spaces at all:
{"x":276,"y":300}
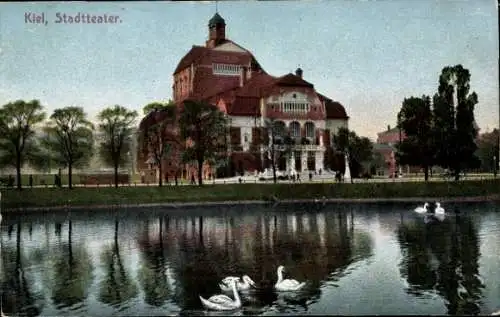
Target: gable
{"x":230,"y":47}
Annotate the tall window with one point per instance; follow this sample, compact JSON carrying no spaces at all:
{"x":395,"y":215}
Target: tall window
{"x":309,"y":130}
{"x":295,"y":129}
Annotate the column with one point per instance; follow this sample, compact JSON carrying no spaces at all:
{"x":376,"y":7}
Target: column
{"x":303,"y":160}
{"x":291,"y":161}
{"x":319,"y":161}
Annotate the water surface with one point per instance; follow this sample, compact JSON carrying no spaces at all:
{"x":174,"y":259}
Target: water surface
{"x":356,"y":260}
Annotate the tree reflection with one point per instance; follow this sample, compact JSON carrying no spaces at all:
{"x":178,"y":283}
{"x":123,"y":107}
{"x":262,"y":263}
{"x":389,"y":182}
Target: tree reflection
{"x":72,"y":273}
{"x":153,"y":271}
{"x":117,"y":287}
{"x":18,"y":298}
{"x":313,"y":247}
{"x":443,"y":257}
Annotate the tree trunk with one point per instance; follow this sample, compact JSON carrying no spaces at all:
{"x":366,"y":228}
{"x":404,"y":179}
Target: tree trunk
{"x":116,"y":175}
{"x":70,"y":176}
{"x":273,"y":163}
{"x":200,"y":172}
{"x":426,"y":173}
{"x":160,"y":178}
{"x":18,"y":171}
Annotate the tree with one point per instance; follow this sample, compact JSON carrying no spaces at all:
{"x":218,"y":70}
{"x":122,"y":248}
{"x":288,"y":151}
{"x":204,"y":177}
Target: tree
{"x":454,"y":129}
{"x":487,"y":151}
{"x":415,"y":119}
{"x":116,"y":129}
{"x":69,"y":139}
{"x":160,"y":137}
{"x":158,"y":106}
{"x":18,"y":121}
{"x":279,"y":146}
{"x":204,"y":127}
{"x":359,"y":149}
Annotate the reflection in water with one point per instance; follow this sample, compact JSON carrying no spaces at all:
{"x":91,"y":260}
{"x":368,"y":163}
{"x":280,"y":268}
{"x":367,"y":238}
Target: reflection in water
{"x":72,"y":273}
{"x":443,"y":258}
{"x":118,"y":286}
{"x":314,"y":249}
{"x":18,"y":297}
{"x":158,"y":262}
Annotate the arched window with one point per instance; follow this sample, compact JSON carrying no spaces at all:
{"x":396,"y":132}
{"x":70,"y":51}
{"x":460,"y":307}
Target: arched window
{"x":295,"y":129}
{"x":310,"y":133}
{"x":279,"y":129}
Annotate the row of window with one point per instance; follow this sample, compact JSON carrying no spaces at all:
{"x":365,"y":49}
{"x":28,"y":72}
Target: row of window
{"x":294,"y":107}
{"x":226,"y":69}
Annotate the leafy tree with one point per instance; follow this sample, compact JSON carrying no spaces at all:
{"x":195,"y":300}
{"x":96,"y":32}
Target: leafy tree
{"x":160,"y":137}
{"x":280,"y":144}
{"x":69,"y":139}
{"x":116,"y":128}
{"x":377,"y":162}
{"x":487,"y":151}
{"x":454,"y":129}
{"x":204,"y":128}
{"x":18,"y":121}
{"x":359,"y":149}
{"x":157,"y":106}
{"x":415,"y":119}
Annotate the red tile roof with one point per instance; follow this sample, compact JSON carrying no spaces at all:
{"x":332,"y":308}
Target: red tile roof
{"x":244,"y":106}
{"x":293,"y":80}
{"x":334,"y":109}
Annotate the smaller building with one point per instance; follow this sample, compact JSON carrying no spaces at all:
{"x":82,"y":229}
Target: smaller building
{"x":386,"y":145}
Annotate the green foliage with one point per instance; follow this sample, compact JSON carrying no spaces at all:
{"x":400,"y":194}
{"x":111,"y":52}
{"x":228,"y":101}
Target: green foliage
{"x":157,"y":106}
{"x":69,"y":138}
{"x":51,"y":197}
{"x":281,"y":145}
{"x":487,"y":151}
{"x":415,"y":120}
{"x":18,"y":121}
{"x":359,"y":149}
{"x":159,"y":138}
{"x":116,"y":130}
{"x":454,"y":128}
{"x":206,"y":128}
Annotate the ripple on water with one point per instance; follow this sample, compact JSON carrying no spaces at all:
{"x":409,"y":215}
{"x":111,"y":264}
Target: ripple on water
{"x":368,"y":261}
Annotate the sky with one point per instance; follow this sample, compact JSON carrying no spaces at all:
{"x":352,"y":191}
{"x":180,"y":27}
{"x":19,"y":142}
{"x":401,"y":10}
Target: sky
{"x":368,"y":55}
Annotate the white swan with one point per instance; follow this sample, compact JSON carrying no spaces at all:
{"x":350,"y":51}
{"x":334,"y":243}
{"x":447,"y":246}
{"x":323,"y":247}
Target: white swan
{"x":439,"y":210}
{"x":288,"y":284}
{"x":223,"y":302}
{"x":422,"y":210}
{"x":242,"y":284}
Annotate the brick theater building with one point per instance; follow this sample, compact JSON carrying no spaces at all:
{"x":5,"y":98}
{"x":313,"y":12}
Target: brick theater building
{"x":227,"y":75}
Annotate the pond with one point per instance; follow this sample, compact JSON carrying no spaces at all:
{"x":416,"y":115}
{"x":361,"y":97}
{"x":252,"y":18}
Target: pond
{"x":356,"y":259}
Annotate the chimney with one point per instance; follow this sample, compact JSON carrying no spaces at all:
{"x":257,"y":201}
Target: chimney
{"x":388,"y":128}
{"x":299,"y":72}
{"x":243,"y":76}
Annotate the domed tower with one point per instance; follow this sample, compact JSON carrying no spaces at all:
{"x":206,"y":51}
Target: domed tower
{"x":216,"y":31}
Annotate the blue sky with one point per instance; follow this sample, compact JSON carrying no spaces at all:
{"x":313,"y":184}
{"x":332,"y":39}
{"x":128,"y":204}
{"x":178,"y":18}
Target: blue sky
{"x":369,"y":55}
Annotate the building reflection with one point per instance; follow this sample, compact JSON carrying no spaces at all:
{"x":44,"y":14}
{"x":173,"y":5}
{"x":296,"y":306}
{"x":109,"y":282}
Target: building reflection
{"x":314,"y":247}
{"x":443,"y":258}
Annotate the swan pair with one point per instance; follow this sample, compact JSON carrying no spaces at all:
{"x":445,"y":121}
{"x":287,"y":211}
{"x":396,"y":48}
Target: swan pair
{"x":422,"y":210}
{"x":232,"y":283}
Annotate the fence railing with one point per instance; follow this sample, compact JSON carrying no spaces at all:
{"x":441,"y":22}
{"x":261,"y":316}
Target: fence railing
{"x":254,"y":180}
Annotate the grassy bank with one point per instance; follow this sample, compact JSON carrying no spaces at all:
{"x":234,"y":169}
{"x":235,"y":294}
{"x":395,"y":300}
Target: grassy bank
{"x":47,"y":197}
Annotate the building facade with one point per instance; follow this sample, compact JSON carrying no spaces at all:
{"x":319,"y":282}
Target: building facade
{"x":227,"y":75}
